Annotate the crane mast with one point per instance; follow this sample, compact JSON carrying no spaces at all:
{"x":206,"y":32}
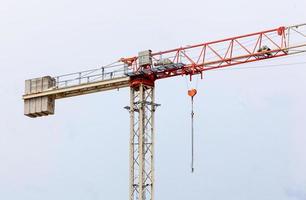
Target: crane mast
{"x":142,"y":108}
{"x":140,"y":72}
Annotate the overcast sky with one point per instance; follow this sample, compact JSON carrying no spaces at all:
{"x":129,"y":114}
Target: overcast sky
{"x":250,"y":125}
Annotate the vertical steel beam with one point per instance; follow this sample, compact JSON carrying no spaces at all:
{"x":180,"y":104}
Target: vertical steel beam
{"x":132,"y":136}
{"x":153,"y":107}
{"x":142,"y":108}
{"x":141,"y":140}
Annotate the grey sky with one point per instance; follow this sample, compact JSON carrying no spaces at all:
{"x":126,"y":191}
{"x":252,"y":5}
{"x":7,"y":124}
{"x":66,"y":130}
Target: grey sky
{"x":250,"y":124}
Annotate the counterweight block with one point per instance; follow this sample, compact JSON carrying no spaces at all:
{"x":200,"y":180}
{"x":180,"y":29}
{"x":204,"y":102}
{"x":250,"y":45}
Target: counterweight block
{"x":39,"y":106}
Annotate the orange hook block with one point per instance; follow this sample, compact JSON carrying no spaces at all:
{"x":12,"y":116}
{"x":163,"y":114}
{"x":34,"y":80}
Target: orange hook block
{"x":192,"y":92}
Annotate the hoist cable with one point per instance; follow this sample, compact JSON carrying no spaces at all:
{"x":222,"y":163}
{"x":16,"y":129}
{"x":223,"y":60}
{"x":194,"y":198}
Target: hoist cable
{"x":192,"y":137}
{"x":192,"y":93}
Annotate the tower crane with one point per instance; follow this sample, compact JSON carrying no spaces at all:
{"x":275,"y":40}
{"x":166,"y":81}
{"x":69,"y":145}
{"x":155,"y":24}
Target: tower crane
{"x":140,"y":72}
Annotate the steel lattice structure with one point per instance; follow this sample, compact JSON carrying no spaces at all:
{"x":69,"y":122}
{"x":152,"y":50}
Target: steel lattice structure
{"x":142,"y":108}
{"x":140,"y":73}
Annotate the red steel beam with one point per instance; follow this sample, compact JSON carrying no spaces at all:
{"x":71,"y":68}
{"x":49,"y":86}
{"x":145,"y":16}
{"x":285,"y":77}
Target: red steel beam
{"x":228,"y":52}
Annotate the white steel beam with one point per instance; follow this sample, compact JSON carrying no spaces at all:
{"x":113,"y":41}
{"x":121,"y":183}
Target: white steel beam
{"x":81,"y":89}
